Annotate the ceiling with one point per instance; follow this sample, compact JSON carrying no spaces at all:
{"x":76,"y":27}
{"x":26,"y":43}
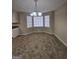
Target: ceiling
{"x":43,"y":5}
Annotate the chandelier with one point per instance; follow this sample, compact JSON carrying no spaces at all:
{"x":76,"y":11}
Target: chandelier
{"x":36,"y":12}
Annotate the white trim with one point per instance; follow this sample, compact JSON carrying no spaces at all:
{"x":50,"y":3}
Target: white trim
{"x":36,"y":32}
{"x":60,"y":39}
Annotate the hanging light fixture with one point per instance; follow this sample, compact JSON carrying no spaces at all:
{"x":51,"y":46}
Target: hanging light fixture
{"x":36,"y":13}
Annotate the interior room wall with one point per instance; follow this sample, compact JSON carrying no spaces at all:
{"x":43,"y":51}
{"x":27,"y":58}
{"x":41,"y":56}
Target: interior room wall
{"x":15,"y":24}
{"x":23,"y":24}
{"x":61,"y":23}
{"x":14,"y":17}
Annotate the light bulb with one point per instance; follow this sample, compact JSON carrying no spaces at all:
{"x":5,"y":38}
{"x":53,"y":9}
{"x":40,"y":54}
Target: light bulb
{"x":39,"y":14}
{"x":34,"y":14}
{"x":31,"y":14}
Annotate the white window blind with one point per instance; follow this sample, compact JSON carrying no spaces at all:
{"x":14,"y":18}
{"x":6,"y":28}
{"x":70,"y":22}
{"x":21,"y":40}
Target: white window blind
{"x":38,"y":21}
{"x":29,"y":21}
{"x":47,"y":21}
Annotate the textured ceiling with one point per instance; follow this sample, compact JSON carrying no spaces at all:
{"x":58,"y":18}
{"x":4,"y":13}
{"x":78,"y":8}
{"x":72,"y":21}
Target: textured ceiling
{"x":43,"y":5}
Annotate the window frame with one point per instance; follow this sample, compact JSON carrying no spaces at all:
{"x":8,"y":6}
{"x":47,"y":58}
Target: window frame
{"x":43,"y":22}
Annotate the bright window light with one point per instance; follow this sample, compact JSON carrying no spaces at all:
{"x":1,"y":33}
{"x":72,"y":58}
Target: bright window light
{"x":47,"y":21}
{"x":29,"y":21}
{"x":38,"y":21}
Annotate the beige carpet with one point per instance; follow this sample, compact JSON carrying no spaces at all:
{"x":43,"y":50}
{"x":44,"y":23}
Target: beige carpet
{"x":39,"y":46}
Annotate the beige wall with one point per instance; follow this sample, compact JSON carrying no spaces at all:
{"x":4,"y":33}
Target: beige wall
{"x":25,"y":30}
{"x":61,"y":23}
{"x":15,"y":31}
{"x":14,"y":17}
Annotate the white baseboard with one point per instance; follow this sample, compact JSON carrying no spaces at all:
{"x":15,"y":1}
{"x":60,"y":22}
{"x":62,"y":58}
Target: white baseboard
{"x":36,"y":32}
{"x":60,"y":39}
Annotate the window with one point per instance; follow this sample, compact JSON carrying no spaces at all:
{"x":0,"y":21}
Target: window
{"x":29,"y":21}
{"x":47,"y":21}
{"x":38,"y":21}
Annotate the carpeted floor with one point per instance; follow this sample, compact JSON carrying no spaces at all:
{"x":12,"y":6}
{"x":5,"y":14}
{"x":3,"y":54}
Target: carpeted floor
{"x":39,"y":46}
